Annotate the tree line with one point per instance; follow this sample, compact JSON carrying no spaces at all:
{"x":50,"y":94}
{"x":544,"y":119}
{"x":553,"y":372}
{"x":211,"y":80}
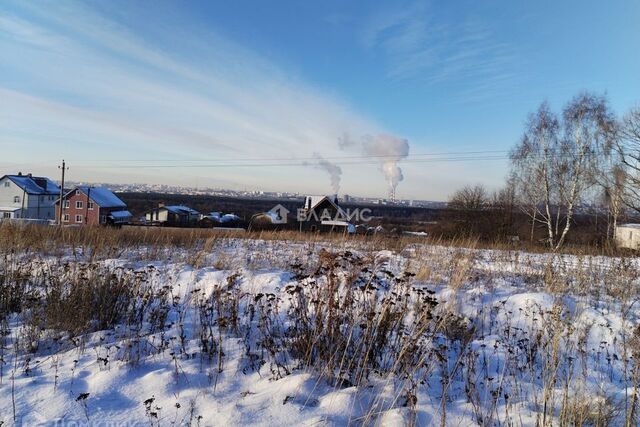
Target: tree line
{"x":582,"y":159}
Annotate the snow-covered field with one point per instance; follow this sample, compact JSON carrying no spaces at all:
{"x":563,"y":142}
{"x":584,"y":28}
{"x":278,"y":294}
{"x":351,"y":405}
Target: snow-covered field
{"x":251,"y":332}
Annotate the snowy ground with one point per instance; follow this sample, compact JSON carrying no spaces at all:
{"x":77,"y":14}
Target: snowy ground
{"x":534,"y":338}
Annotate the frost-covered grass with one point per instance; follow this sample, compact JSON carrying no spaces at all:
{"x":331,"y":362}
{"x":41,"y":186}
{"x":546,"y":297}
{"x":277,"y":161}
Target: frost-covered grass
{"x":230,"y":331}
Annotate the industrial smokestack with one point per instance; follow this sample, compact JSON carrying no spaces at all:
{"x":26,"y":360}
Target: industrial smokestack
{"x":388,"y":150}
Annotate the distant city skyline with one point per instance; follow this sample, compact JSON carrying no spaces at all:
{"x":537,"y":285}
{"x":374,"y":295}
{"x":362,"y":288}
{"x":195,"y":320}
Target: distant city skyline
{"x":225,"y":192}
{"x":298,"y":97}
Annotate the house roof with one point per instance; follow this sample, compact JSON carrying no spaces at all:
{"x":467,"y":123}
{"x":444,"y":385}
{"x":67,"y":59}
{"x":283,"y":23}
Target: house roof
{"x":229,"y":218}
{"x":181,"y":210}
{"x":629,"y":226}
{"x":38,"y":185}
{"x":317,"y":200}
{"x":120,"y":214}
{"x":102,"y":196}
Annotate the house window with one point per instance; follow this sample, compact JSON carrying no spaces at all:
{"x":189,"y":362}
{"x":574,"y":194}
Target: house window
{"x":6,"y":215}
{"x":66,"y":204}
{"x":79,"y":204}
{"x":16,"y":199}
{"x":103,"y":219}
{"x":77,"y":192}
{"x":90,"y":205}
{"x":79,"y":218}
{"x":66,"y":217}
{"x":7,"y":184}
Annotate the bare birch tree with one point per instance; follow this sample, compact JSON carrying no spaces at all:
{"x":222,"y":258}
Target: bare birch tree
{"x":555,"y":163}
{"x":628,"y":148}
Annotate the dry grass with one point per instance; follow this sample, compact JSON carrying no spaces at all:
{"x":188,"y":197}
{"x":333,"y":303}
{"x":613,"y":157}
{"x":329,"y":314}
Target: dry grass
{"x":345,"y":317}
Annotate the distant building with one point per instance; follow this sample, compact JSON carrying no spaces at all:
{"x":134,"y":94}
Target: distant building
{"x":216,"y":219}
{"x":27,"y":197}
{"x":172,"y":216}
{"x":628,"y":236}
{"x":86,"y":205}
{"x":322,"y":213}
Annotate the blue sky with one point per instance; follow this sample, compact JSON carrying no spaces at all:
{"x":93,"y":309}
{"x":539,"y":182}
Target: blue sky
{"x":187,"y":92}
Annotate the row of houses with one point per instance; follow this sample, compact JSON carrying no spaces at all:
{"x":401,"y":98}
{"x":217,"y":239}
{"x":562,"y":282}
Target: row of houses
{"x":184,"y":216}
{"x":37,"y":199}
{"x":34,"y":198}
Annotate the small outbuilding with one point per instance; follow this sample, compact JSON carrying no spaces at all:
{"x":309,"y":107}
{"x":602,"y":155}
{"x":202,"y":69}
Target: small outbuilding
{"x":173,"y":216}
{"x":628,"y":236}
{"x":217,"y":219}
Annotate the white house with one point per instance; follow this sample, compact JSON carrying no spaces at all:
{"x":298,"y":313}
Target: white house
{"x":28,"y":197}
{"x":628,"y":236}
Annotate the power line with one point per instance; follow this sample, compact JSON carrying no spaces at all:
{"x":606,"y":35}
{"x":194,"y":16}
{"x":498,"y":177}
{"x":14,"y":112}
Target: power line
{"x":362,"y":159}
{"x":304,"y":163}
{"x":262,"y":159}
{"x":295,"y":161}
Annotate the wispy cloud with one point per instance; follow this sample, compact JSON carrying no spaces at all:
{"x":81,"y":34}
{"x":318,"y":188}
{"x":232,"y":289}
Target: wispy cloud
{"x":418,"y":43}
{"x":79,"y":84}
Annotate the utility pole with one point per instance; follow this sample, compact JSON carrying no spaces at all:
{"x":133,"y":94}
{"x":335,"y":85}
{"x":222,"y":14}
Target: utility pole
{"x":63,"y":168}
{"x":86,"y":211}
{"x":24,"y":196}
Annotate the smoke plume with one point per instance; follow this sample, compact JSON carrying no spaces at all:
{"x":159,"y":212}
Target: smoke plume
{"x":389,"y":150}
{"x":334,"y":171}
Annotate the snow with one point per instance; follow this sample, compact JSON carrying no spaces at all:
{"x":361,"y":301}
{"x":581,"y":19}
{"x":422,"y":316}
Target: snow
{"x":120,"y":214}
{"x":179,"y":209}
{"x":182,"y":388}
{"x":30,"y":185}
{"x":102,"y":196}
{"x":229,"y":218}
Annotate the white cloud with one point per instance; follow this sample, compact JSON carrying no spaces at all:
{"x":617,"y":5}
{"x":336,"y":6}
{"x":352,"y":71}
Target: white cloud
{"x":421,"y":44}
{"x":92,"y":89}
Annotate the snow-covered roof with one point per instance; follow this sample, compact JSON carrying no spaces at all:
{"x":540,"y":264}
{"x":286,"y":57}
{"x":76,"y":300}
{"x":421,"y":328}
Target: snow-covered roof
{"x":316,"y":200}
{"x":9,"y":209}
{"x":120,"y":214}
{"x":229,"y":218}
{"x":218,"y":217}
{"x":102,"y":196}
{"x":181,"y":210}
{"x":34,"y":184}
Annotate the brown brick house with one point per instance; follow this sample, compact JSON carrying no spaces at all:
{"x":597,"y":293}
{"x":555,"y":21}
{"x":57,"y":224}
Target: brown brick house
{"x":85,"y":205}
